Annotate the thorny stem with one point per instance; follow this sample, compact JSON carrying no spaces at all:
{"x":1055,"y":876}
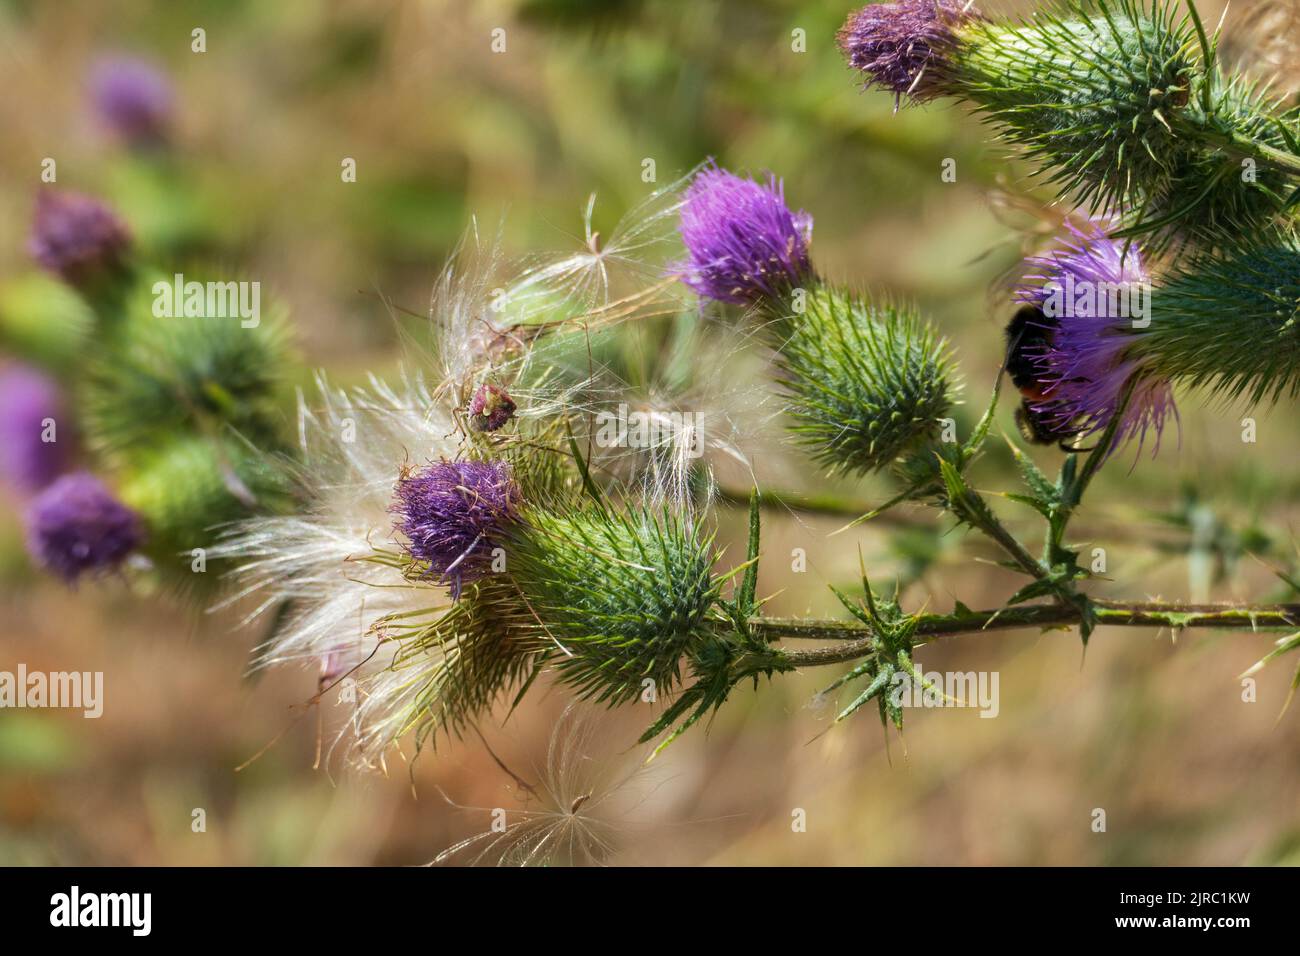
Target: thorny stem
{"x":818,"y":504}
{"x":1245,"y":147}
{"x":857,"y":641}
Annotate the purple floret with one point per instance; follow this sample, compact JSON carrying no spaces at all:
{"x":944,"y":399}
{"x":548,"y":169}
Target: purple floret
{"x":1090,"y":357}
{"x":904,"y":47}
{"x":132,"y":98}
{"x":31,"y":411}
{"x":453,"y":514}
{"x":76,"y":236}
{"x":76,"y":526}
{"x":744,"y":244}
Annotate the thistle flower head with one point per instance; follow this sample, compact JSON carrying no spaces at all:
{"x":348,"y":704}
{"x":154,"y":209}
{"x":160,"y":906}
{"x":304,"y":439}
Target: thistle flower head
{"x":490,"y":408}
{"x":453,"y":513}
{"x":133,"y":99}
{"x":903,"y":47}
{"x":336,"y":575}
{"x":76,"y":236}
{"x":1088,"y":292}
{"x":76,"y":526}
{"x":744,"y":245}
{"x":30,"y":402}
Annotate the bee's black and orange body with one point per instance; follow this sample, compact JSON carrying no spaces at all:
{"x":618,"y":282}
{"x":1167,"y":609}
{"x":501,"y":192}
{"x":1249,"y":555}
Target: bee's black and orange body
{"x":1028,"y":333}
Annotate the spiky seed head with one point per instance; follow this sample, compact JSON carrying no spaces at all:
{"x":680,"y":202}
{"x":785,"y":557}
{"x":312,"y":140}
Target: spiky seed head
{"x":904,"y":47}
{"x":32,"y":450}
{"x":76,"y":526}
{"x":743,"y":244}
{"x":490,"y":408}
{"x":624,"y":595}
{"x":453,"y":514}
{"x":133,"y":99}
{"x":1087,"y":290}
{"x":866,"y":381}
{"x":76,"y":237}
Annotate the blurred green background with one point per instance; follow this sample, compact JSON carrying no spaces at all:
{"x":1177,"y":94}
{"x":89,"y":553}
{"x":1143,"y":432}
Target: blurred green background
{"x":442,"y":128}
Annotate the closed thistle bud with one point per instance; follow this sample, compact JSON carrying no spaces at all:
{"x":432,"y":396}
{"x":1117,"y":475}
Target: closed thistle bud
{"x":624,"y":595}
{"x":76,"y":526}
{"x":867,"y":382}
{"x":1114,"y":101}
{"x":44,"y":321}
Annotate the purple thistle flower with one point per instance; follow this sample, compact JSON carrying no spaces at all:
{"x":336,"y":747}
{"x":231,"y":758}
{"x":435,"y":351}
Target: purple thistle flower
{"x":132,"y":98}
{"x":904,"y":46}
{"x":76,"y":236}
{"x":29,"y":401}
{"x":744,"y":244}
{"x":1090,"y":294}
{"x":490,"y":408}
{"x":453,"y":513}
{"x":76,"y":526}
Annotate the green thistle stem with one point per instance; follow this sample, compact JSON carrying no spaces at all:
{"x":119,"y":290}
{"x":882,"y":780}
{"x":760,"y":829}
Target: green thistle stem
{"x":1243,"y":146}
{"x":856,"y":641}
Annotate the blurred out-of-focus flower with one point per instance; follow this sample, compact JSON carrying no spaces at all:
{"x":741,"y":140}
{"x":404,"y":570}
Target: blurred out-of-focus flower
{"x":32,"y":453}
{"x":75,"y":236}
{"x":76,"y":526}
{"x":133,"y":98}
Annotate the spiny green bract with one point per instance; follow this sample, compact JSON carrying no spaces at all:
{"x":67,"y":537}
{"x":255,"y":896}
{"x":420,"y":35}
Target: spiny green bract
{"x":186,"y":488}
{"x":866,"y":382}
{"x":1110,"y":100}
{"x":624,"y":595}
{"x":159,"y":377}
{"x":1229,"y":323}
{"x":465,"y":659}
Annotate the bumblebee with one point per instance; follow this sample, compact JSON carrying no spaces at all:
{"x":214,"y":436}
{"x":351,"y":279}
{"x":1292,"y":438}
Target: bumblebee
{"x":1028,"y":334}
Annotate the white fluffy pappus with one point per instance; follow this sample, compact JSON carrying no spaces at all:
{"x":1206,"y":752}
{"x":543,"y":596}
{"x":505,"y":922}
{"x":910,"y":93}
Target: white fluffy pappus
{"x":314,"y":570}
